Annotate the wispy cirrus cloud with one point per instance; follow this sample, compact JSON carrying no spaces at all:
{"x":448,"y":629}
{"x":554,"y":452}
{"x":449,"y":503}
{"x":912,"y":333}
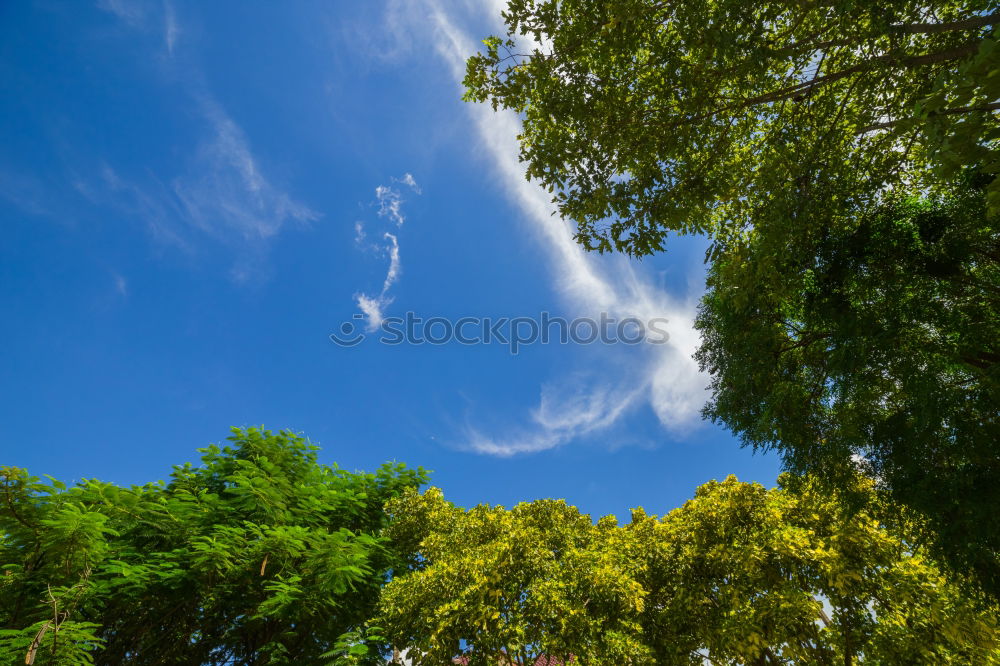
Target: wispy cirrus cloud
{"x":133,"y":12}
{"x":561,"y":417}
{"x":410,"y":182}
{"x":149,"y":201}
{"x":121,"y":285}
{"x":171,"y":29}
{"x":664,"y":377}
{"x":390,"y":199}
{"x":148,"y":16}
{"x":24,"y":191}
{"x":374,"y":306}
{"x":224,"y":191}
{"x":221,"y":194}
{"x":221,"y":191}
{"x":390,"y":203}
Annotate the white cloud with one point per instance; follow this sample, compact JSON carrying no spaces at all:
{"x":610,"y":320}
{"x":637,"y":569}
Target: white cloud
{"x":410,"y":182}
{"x":559,"y":418}
{"x":121,"y":285}
{"x":24,"y":191}
{"x":226,"y":193}
{"x":374,"y":306}
{"x":146,"y":15}
{"x":217,"y":191}
{"x":510,"y":444}
{"x":132,"y":12}
{"x":393,"y":273}
{"x":222,"y":191}
{"x":666,"y":378}
{"x":582,"y":411}
{"x":373,"y":309}
{"x":221,"y":194}
{"x":390,"y":206}
{"x":170,"y":27}
{"x":153,"y":203}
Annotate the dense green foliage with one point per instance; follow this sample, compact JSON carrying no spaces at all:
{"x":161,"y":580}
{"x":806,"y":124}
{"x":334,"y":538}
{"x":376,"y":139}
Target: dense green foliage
{"x":488,"y":583}
{"x":738,"y":575}
{"x":879,"y":341}
{"x":260,"y":555}
{"x":720,"y":116}
{"x":842,"y":157}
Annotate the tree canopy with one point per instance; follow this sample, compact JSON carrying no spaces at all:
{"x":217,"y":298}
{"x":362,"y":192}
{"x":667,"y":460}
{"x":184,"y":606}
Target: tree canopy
{"x":875,"y":343}
{"x":493,"y":585}
{"x":645,"y":117}
{"x":745,"y":575}
{"x":738,"y":575}
{"x":260,"y":555}
{"x":842,"y":157}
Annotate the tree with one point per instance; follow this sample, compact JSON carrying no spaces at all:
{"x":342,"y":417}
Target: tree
{"x":738,"y":575}
{"x":645,"y":117}
{"x":875,"y":344}
{"x":259,"y":555}
{"x":845,"y":317}
{"x":509,"y":587}
{"x":745,"y":575}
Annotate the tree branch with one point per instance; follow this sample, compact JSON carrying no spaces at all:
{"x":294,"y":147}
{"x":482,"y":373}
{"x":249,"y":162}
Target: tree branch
{"x":995,"y":106}
{"x":935,"y":28}
{"x":801,"y":90}
{"x":806,"y":87}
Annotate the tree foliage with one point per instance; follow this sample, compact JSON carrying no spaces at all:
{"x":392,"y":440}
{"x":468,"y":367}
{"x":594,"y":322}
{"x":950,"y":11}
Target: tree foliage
{"x":876,"y":342}
{"x":843,"y":158}
{"x":260,"y":555}
{"x":738,"y":575}
{"x":494,"y":585}
{"x":721,"y":116}
{"x":745,"y":575}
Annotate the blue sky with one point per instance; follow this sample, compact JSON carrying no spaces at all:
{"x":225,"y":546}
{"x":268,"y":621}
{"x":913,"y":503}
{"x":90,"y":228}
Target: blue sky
{"x":195,"y":195}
